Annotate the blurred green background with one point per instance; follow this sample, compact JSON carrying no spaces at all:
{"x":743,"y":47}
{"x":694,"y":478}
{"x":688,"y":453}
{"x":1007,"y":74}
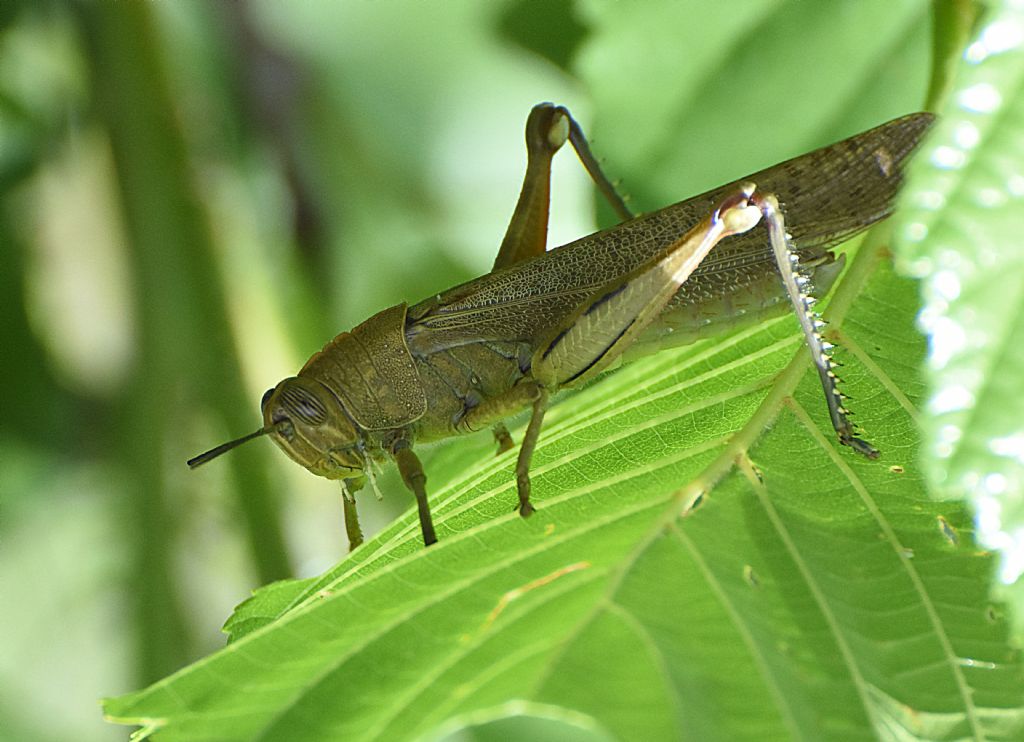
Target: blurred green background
{"x":197,"y":195}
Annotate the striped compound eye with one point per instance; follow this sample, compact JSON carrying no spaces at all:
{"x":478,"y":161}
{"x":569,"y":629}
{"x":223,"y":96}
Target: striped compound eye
{"x":302,"y":405}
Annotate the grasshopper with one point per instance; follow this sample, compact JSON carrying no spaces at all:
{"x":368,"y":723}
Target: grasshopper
{"x":542,"y":320}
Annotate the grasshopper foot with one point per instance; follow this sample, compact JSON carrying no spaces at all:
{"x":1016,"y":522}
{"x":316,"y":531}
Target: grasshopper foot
{"x":847,"y":438}
{"x":526,"y":508}
{"x":861,"y":446}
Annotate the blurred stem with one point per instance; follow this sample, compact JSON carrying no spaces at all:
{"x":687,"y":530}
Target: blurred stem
{"x":953,"y":21}
{"x":184,"y":338}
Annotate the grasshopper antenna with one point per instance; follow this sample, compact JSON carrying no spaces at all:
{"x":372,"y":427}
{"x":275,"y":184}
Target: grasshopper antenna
{"x":225,"y":447}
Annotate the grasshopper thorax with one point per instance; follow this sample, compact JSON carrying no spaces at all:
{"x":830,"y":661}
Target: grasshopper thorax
{"x":309,"y":424}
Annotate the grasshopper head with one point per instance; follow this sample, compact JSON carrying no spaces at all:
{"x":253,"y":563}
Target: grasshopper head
{"x":307,"y":421}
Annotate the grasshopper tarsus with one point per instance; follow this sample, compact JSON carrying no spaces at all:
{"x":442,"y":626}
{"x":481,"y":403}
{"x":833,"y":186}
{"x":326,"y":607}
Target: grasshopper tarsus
{"x":524,"y":506}
{"x":860,"y":445}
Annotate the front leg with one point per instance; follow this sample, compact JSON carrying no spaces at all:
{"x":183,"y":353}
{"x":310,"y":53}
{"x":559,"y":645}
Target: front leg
{"x":411,"y":469}
{"x":349,"y":487}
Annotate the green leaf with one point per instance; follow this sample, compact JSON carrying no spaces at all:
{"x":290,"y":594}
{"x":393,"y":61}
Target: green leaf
{"x":706,"y":561}
{"x":265,"y":605}
{"x":840,"y":598}
{"x":961,"y":235}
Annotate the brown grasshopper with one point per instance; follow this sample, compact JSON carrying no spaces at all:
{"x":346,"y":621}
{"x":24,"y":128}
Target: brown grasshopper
{"x":541,"y":321}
